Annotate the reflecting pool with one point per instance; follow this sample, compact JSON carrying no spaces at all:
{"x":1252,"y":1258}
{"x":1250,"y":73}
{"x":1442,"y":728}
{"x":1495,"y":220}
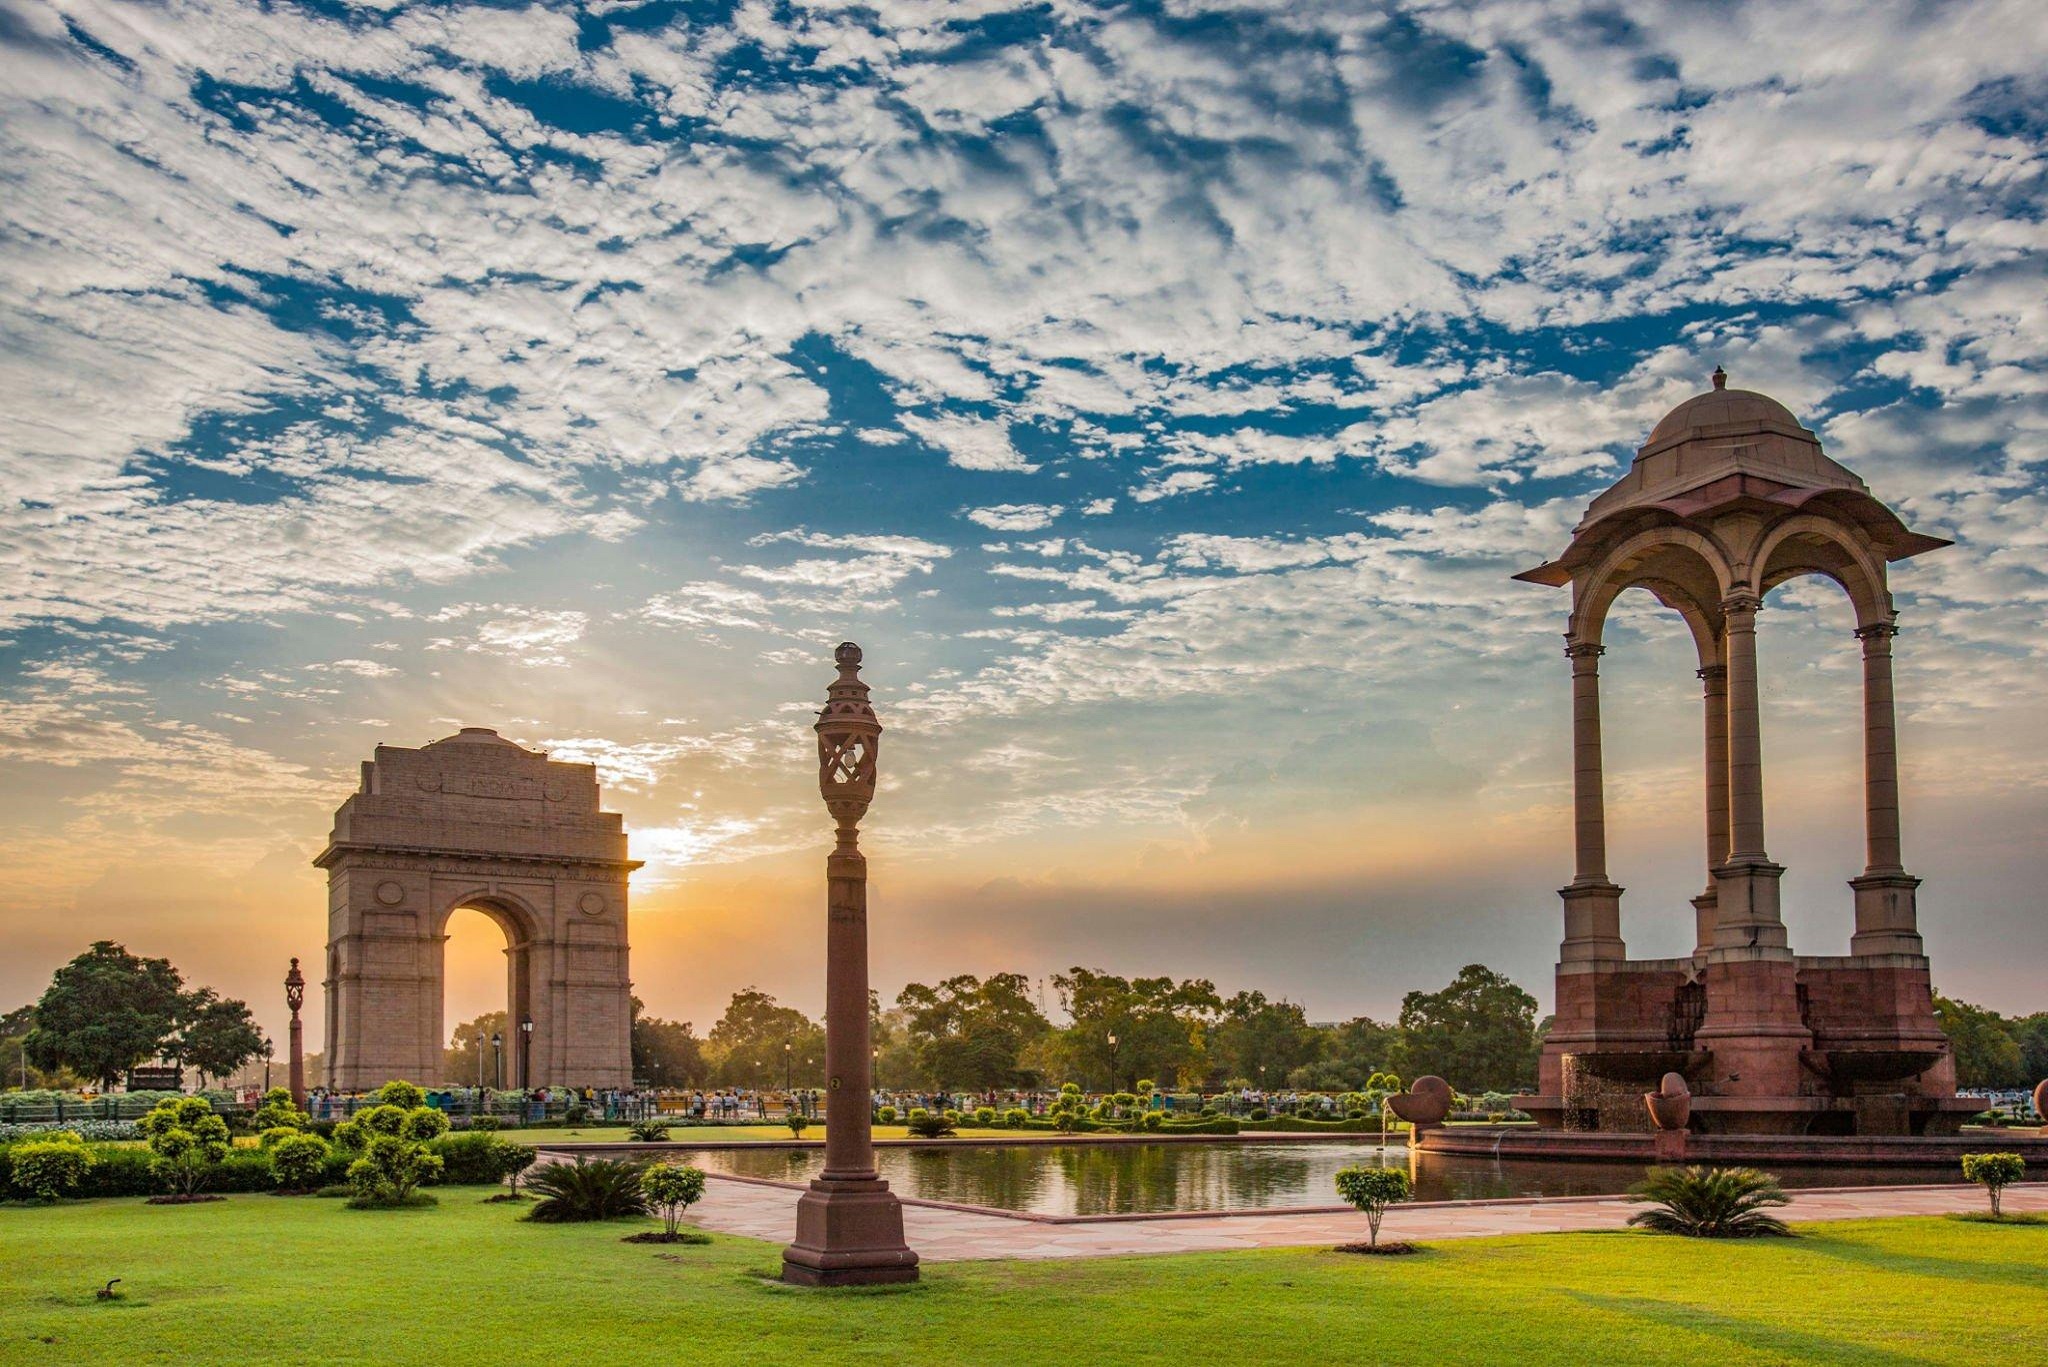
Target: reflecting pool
{"x":1132,"y":1178}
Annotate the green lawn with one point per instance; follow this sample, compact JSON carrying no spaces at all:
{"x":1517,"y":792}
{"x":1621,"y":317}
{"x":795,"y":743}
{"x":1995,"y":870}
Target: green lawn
{"x":268,"y":1279}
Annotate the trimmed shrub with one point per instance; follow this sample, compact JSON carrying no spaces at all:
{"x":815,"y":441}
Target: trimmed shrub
{"x":885,"y":1115}
{"x":189,"y":1141}
{"x":1710,"y":1203}
{"x":1372,"y":1190}
{"x":1993,"y":1171}
{"x":1260,"y":1113}
{"x":578,"y":1114}
{"x":471,"y":1160}
{"x":1016,"y":1118}
{"x":1153,"y":1120}
{"x":1221,"y":1124}
{"x":671,"y":1189}
{"x":485,"y":1122}
{"x":984,"y":1115}
{"x":797,"y":1124}
{"x":50,"y":1169}
{"x":601,"y":1189}
{"x":298,"y":1162}
{"x":278,"y":1112}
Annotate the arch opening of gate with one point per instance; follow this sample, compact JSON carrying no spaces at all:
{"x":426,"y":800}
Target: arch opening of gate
{"x":475,"y":822}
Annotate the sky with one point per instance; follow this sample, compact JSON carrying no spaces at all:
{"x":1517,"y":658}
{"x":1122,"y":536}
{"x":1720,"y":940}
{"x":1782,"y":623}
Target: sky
{"x":1162,"y":394}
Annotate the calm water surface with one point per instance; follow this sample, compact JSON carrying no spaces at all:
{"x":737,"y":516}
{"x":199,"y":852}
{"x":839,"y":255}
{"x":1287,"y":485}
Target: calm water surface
{"x":1121,"y":1179}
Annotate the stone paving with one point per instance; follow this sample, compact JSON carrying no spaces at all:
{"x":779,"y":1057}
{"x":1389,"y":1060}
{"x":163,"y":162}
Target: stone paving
{"x":763,"y":1210}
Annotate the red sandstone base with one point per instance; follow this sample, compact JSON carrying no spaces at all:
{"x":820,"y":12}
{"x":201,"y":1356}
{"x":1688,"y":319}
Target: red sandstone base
{"x":1749,"y":1150}
{"x":848,"y":1234}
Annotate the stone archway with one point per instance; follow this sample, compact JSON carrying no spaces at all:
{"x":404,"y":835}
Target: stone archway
{"x":475,"y":821}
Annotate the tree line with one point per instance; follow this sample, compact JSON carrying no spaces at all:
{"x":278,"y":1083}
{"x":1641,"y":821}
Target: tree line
{"x":108,"y":1011}
{"x":975,"y":1033}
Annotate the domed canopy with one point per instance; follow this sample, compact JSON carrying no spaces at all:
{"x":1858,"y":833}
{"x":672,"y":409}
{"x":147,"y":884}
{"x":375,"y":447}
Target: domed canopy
{"x":1724,"y":412}
{"x":1720,"y":452}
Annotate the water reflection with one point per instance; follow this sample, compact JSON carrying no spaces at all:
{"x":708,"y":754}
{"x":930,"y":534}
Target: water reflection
{"x":1129,"y":1178}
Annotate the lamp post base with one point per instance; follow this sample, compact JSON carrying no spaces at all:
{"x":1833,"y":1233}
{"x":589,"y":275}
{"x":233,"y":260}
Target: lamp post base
{"x":848,"y":1233}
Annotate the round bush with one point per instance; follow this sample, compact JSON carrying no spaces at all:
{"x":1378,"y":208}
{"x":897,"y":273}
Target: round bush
{"x":298,"y":1161}
{"x":885,"y":1115}
{"x":50,"y":1169}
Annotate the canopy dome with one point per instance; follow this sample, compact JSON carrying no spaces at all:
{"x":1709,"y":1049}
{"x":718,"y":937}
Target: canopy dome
{"x":1722,"y":412}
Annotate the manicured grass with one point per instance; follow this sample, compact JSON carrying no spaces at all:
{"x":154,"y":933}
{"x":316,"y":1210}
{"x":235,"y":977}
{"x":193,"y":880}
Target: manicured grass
{"x":263,"y":1279}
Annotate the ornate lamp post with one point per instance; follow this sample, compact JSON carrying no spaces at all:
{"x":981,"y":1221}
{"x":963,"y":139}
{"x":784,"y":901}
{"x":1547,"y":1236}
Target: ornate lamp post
{"x":1112,"y":1061}
{"x":526,"y":1053}
{"x":497,"y":1060}
{"x":849,"y":1225}
{"x":295,"y":997}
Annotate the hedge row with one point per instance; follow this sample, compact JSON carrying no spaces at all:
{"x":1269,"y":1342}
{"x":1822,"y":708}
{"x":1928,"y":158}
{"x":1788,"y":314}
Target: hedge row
{"x":1297,"y":1125}
{"x":129,"y":1170}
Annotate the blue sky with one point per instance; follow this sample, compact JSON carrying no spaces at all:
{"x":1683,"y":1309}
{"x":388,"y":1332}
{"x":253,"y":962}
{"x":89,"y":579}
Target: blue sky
{"x":1162,"y":394}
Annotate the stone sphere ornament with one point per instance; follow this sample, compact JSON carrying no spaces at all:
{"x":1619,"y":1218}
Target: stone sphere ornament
{"x":1671,"y":1104}
{"x":1425,"y":1104}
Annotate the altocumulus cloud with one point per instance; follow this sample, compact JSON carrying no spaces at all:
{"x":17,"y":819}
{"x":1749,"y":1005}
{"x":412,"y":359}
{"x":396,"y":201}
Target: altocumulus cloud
{"x":663,"y":349}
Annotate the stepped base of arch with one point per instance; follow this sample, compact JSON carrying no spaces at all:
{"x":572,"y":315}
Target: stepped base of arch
{"x":1772,"y":1044}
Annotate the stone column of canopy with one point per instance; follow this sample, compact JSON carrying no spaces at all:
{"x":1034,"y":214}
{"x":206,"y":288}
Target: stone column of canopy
{"x":1592,"y":902}
{"x":1887,"y":921}
{"x":1714,"y":690}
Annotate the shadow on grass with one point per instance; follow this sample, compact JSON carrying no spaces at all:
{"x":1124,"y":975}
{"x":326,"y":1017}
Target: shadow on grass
{"x":1791,"y":1345}
{"x":2027,"y":1275}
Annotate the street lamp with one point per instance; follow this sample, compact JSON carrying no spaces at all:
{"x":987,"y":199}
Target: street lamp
{"x":525,"y":1053}
{"x":1112,"y":1060}
{"x":785,"y":1065}
{"x":269,"y":1051}
{"x":497,"y":1059}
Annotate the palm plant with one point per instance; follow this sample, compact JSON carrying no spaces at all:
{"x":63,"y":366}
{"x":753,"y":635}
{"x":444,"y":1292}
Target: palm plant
{"x":1710,"y":1203}
{"x":601,"y":1189}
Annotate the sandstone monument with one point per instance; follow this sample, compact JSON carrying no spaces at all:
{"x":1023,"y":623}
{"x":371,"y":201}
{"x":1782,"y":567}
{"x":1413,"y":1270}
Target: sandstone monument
{"x":1729,"y":498}
{"x":476,"y":821}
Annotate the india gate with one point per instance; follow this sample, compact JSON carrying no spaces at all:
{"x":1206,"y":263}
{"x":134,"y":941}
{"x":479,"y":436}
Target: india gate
{"x":475,"y":821}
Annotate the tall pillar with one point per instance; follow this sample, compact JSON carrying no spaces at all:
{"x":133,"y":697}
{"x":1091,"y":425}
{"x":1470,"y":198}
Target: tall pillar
{"x":1714,"y":695}
{"x":1887,"y":920}
{"x":1752,"y":1028}
{"x":295,"y":997}
{"x":849,"y":1225}
{"x":1746,"y":884}
{"x":1592,"y":902}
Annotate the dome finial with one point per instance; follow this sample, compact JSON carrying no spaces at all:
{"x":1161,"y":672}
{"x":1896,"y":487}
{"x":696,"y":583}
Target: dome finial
{"x":1720,"y":378}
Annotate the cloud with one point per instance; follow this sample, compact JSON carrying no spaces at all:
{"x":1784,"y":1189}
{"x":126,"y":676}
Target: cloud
{"x":1015,"y":517}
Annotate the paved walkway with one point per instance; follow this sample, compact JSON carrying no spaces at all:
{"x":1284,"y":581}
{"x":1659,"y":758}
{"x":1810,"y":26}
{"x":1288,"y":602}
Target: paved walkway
{"x":766,"y":1211}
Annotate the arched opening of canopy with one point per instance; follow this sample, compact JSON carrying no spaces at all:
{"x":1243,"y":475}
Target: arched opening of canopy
{"x":1810,"y":685}
{"x":1653,"y":768}
{"x":485,"y":993}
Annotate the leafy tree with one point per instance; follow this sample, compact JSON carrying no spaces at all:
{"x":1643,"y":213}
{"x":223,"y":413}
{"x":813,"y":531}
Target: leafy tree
{"x":216,"y":1034}
{"x":667,"y":1053}
{"x":672,"y":1188}
{"x":469,"y":1055}
{"x":188,"y":1139}
{"x":1479,"y":1032}
{"x":1372,"y":1190}
{"x":1265,"y":1040}
{"x":106,"y":1011}
{"x":1986,"y":1053}
{"x":1160,"y":1026}
{"x":757,"y":1039}
{"x":971,"y":1032}
{"x":1994,"y":1172}
{"x":2031,"y":1033}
